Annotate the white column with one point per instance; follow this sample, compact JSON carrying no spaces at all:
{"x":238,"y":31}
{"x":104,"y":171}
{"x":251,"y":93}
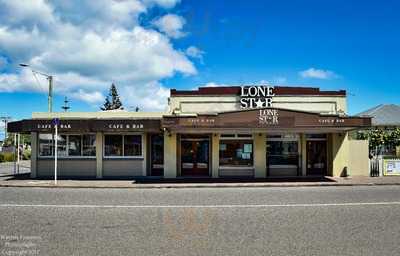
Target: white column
{"x":260,"y":155}
{"x":303,"y":145}
{"x":170,"y":156}
{"x":215,"y":155}
{"x":99,"y":155}
{"x":34,"y":154}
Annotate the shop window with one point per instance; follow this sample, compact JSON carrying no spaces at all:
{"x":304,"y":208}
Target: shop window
{"x":74,"y":145}
{"x":46,"y":146}
{"x":89,"y":145}
{"x":67,"y":145}
{"x":282,"y":152}
{"x":132,"y":145}
{"x":316,"y":136}
{"x":113,"y":145}
{"x":236,"y":153}
{"x":123,"y":145}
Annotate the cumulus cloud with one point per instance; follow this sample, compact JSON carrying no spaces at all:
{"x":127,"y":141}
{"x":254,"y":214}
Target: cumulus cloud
{"x":195,"y":52}
{"x":317,"y":73}
{"x":171,"y":25}
{"x":88,"y":44}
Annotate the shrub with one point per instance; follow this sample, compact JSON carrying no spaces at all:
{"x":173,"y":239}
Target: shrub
{"x":1,"y":158}
{"x":26,"y":155}
{"x":8,"y":156}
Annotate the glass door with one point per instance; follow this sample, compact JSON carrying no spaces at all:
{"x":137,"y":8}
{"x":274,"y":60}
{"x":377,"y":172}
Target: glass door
{"x":157,"y":155}
{"x":195,"y":157}
{"x":316,"y":157}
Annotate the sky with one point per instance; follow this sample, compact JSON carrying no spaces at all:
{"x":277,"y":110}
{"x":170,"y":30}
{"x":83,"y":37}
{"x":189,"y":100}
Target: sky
{"x":147,"y":47}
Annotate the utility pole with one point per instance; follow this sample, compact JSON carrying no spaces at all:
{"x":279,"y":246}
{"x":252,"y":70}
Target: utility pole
{"x":65,"y":107}
{"x":50,"y":97}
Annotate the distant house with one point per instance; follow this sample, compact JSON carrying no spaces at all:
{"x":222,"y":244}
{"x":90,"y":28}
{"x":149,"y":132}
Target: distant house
{"x":385,"y":116}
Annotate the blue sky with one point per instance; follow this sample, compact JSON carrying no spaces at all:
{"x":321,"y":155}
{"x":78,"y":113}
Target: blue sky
{"x":149,"y":46}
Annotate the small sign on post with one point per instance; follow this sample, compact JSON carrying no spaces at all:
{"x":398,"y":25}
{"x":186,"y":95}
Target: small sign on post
{"x":56,"y":123}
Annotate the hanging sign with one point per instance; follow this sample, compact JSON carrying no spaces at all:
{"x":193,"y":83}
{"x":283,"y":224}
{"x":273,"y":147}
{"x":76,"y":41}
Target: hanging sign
{"x":256,"y":96}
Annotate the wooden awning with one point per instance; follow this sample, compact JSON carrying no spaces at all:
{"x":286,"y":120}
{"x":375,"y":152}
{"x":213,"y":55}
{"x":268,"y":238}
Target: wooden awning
{"x":267,"y":118}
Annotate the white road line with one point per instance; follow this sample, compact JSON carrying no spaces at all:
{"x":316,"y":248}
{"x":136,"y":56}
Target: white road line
{"x":197,"y":206}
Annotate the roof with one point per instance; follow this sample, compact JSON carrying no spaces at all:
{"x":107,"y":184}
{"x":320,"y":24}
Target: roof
{"x":98,"y":115}
{"x":235,"y":90}
{"x":384,"y":115}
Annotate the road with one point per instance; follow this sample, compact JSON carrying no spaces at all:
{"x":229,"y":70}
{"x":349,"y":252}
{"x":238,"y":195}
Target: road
{"x":220,"y":221}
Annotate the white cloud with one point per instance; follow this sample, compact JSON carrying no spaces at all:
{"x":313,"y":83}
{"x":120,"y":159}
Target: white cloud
{"x":88,"y":44}
{"x":317,"y":73}
{"x":213,"y":84}
{"x":3,"y":62}
{"x":171,"y":25}
{"x":195,"y":52}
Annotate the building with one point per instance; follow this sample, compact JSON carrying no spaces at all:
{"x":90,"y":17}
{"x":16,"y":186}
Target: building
{"x":244,"y":131}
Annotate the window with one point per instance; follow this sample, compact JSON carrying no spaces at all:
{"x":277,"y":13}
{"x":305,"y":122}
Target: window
{"x":236,"y":153}
{"x":67,"y":145}
{"x":89,"y":145}
{"x":133,"y":145}
{"x":113,"y":145}
{"x":283,"y":150}
{"x":46,"y":147}
{"x":123,"y":145}
{"x":74,"y":145}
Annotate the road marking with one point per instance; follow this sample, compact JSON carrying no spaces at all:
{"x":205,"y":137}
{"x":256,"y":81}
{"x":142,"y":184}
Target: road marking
{"x":199,"y":206}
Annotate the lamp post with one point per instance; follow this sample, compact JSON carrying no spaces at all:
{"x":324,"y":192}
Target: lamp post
{"x":50,"y":79}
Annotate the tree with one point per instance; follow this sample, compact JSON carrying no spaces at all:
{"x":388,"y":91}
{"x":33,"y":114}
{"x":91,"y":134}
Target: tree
{"x":115,"y":102}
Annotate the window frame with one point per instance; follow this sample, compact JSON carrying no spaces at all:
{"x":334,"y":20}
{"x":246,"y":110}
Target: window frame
{"x":123,"y":146}
{"x":67,"y":146}
{"x":236,"y":138}
{"x":294,"y":137}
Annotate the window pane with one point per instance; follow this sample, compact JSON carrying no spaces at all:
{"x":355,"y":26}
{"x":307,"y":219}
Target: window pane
{"x":62,"y":145}
{"x":133,"y":145}
{"x":282,"y":152}
{"x":236,"y":153}
{"x":74,"y":145}
{"x":113,"y":145}
{"x":89,"y":145}
{"x":46,"y":147}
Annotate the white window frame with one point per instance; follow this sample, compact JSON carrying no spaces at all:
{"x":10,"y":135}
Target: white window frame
{"x":123,"y":146}
{"x":67,"y":147}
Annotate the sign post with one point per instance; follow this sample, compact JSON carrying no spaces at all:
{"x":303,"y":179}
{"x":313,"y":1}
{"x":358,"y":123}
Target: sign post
{"x":56,"y":123}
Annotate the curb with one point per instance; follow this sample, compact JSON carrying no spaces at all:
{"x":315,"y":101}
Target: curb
{"x":174,"y":186}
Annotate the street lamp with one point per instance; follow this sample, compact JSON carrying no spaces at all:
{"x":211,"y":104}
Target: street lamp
{"x":50,"y":79}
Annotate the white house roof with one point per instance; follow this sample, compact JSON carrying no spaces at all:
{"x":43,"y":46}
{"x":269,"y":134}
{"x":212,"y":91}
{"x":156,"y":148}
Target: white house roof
{"x":384,"y":115}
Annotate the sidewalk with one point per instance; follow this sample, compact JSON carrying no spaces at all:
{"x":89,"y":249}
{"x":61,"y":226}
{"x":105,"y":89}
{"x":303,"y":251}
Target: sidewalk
{"x":25,"y":181}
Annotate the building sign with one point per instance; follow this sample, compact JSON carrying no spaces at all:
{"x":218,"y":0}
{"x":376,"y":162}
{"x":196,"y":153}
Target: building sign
{"x":256,"y":96}
{"x":268,"y":117}
{"x":391,"y":166}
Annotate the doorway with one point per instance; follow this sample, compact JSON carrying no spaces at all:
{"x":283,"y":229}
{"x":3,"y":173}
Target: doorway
{"x":157,"y":155}
{"x":195,"y":154}
{"x":316,"y":157}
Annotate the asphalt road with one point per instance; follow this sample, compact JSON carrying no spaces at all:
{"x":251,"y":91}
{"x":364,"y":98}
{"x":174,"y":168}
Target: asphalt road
{"x":234,"y":221}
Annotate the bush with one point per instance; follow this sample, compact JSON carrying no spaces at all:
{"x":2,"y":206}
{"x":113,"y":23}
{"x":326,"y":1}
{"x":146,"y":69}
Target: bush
{"x":1,"y":158}
{"x":7,"y":156}
{"x":26,"y":155}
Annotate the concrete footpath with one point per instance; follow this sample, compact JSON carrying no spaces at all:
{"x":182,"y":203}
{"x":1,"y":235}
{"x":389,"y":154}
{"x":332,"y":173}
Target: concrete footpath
{"x":25,"y":181}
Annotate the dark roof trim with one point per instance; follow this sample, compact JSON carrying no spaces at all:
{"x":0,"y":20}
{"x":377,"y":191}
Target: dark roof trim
{"x":279,"y":90}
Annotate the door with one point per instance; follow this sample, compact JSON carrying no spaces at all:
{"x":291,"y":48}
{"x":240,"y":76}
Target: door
{"x":157,"y":155}
{"x":195,"y":157}
{"x":316,"y":158}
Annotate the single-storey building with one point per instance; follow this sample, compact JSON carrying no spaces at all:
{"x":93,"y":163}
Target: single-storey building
{"x":243,"y":131}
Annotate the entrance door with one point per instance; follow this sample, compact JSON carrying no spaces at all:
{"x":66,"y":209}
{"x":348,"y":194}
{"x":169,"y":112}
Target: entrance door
{"x":157,"y":155}
{"x":316,"y":157}
{"x":195,"y":156}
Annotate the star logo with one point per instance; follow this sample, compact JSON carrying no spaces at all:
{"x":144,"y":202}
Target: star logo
{"x":259,"y":103}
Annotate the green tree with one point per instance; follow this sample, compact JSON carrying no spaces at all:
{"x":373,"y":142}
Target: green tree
{"x":112,"y":101}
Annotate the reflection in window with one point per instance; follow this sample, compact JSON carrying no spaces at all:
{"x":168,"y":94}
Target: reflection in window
{"x":89,"y":145}
{"x":74,"y":145}
{"x":282,"y":152}
{"x":113,"y":145}
{"x":46,"y":147}
{"x":133,"y":145}
{"x":236,"y":153}
{"x":62,"y":145}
